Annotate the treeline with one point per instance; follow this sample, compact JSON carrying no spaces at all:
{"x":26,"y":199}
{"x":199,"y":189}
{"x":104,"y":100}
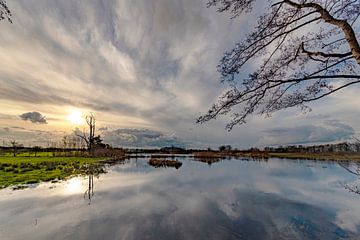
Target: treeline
{"x":338,"y":147}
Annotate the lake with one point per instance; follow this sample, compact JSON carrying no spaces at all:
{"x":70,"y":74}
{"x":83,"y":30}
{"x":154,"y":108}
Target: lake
{"x":230,"y":199}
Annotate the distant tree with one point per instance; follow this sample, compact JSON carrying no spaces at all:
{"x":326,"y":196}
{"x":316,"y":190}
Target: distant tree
{"x":15,"y":145}
{"x":222,"y":148}
{"x":88,"y":137}
{"x":225,"y":148}
{"x":36,"y":149}
{"x":65,"y":142}
{"x":307,"y":49}
{"x":98,"y":142}
{"x":5,"y":12}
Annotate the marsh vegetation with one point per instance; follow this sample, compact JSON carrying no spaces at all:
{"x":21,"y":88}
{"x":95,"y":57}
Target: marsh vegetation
{"x":164,"y":163}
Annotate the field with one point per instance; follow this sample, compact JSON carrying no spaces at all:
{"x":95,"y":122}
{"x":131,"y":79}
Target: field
{"x":25,"y":169}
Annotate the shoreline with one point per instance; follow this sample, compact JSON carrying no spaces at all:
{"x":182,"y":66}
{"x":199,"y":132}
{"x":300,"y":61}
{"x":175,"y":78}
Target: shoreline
{"x":318,"y":156}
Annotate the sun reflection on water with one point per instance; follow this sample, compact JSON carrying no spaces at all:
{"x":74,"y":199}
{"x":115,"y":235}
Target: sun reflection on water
{"x":73,"y":186}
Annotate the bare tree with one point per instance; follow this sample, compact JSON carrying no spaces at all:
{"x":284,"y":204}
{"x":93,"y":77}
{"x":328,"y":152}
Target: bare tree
{"x":89,"y":136}
{"x":307,"y":49}
{"x":5,"y":12}
{"x":36,"y":149}
{"x":15,"y":145}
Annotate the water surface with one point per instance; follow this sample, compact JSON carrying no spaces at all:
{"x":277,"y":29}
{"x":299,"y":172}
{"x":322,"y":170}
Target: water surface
{"x":231,"y":199}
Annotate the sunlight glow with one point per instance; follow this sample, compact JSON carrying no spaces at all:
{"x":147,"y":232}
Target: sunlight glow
{"x":75,"y":117}
{"x":73,"y":186}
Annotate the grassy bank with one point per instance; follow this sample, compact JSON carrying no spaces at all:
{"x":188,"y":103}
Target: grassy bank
{"x":319,"y":156}
{"x":25,"y":170}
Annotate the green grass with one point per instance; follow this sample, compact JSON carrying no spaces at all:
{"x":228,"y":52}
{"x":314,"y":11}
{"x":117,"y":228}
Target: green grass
{"x":26,"y":170}
{"x":39,"y":154}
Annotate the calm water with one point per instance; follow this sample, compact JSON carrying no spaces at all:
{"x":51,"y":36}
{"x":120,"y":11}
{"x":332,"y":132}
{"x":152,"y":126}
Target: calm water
{"x":231,"y":199}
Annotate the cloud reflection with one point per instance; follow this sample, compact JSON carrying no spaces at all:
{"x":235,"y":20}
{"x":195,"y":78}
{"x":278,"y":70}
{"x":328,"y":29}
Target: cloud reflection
{"x":230,"y":200}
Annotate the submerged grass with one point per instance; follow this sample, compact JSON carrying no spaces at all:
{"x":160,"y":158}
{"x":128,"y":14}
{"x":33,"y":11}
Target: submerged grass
{"x":164,"y":163}
{"x":27,"y":170}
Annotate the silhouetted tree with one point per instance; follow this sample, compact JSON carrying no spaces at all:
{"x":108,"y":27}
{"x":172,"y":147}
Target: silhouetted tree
{"x":225,"y":148}
{"x":222,"y":148}
{"x":36,"y":149}
{"x":15,"y":145}
{"x":308,"y":49}
{"x":5,"y":12}
{"x":89,"y":136}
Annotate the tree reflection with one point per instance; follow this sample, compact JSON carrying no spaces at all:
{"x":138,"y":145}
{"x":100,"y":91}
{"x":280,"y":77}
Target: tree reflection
{"x":89,"y":193}
{"x":353,"y":168}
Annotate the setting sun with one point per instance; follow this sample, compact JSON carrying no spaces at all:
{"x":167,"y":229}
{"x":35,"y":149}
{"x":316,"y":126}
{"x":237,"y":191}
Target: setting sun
{"x":75,"y":117}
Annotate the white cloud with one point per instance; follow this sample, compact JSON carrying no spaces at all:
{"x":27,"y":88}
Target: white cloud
{"x":328,"y":131}
{"x":141,"y":138}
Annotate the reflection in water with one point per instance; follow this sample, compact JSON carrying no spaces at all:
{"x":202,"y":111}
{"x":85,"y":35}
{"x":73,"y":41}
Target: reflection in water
{"x":89,"y":193}
{"x":352,"y":168}
{"x":73,"y":186}
{"x":277,"y":199}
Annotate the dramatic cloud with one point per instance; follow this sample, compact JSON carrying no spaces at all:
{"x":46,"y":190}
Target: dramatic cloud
{"x":141,"y":138}
{"x":34,"y":117}
{"x":135,"y":64}
{"x":329,"y":131}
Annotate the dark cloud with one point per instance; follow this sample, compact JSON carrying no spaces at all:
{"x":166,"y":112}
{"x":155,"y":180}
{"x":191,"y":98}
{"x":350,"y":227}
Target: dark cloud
{"x":34,"y":117}
{"x":328,"y":131}
{"x":141,"y":138}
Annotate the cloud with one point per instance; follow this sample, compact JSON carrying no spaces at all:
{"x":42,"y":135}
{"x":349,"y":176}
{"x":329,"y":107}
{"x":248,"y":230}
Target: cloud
{"x":97,"y":47}
{"x":328,"y":131}
{"x":141,"y":138}
{"x":31,"y":137}
{"x":103,"y":129}
{"x":142,"y":64}
{"x":34,"y":117}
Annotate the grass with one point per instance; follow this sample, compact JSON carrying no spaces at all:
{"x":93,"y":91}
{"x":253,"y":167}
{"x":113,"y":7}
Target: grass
{"x":207,"y":156}
{"x":43,"y":154}
{"x":27,"y":170}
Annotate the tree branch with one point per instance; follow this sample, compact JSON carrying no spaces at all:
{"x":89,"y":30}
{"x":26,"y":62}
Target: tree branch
{"x":325,"y":55}
{"x":342,"y":24}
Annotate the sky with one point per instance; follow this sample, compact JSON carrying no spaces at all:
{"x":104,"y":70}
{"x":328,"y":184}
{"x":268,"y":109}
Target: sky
{"x":146,"y":69}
